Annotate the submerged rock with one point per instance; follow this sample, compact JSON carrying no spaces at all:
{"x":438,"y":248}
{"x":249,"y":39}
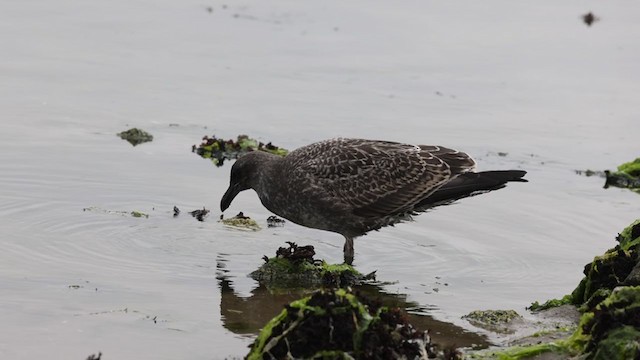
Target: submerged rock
{"x":338,"y":324}
{"x":219,"y":150}
{"x":295,"y":267}
{"x":136,"y":136}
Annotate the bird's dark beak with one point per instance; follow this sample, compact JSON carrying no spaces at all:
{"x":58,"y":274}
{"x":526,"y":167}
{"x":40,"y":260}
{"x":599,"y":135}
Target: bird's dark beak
{"x":227,"y":198}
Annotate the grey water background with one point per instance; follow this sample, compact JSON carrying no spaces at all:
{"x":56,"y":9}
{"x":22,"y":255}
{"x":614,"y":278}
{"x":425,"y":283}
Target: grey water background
{"x":527,"y":79}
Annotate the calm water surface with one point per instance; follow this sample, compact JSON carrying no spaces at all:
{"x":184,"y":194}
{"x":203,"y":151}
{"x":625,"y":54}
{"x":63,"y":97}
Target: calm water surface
{"x":531,"y":81}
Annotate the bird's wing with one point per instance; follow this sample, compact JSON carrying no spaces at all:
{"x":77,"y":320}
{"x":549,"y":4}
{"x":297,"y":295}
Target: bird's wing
{"x":376,"y":178}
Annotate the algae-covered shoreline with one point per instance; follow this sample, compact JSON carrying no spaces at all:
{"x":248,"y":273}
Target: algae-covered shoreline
{"x":608,"y":298}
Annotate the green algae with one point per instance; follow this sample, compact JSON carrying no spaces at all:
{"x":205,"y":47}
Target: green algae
{"x":520,"y":352}
{"x":631,"y":168}
{"x":135,"y":136}
{"x":536,"y":306}
{"x":295,"y":267}
{"x":493,"y":320}
{"x":241,"y":223}
{"x":135,"y":213}
{"x":218,"y":150}
{"x":621,"y":309}
{"x":278,"y":272}
{"x":621,"y":344}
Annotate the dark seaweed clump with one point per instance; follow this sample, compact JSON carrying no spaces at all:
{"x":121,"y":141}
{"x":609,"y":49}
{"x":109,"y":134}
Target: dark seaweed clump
{"x":338,"y":324}
{"x":219,"y":150}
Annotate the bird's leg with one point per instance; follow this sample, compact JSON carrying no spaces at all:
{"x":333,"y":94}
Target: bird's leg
{"x":348,"y":250}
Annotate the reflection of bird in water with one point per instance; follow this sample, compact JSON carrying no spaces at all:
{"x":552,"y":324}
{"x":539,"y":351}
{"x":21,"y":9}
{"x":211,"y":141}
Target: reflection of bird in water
{"x":353,"y":186}
{"x":247,"y":315}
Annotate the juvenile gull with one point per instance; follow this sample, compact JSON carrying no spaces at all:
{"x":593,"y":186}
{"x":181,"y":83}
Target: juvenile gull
{"x":353,"y":186}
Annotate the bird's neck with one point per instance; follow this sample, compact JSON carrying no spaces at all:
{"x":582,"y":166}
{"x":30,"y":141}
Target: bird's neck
{"x":267,"y":165}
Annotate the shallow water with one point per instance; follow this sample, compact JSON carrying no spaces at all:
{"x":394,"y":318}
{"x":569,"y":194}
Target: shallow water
{"x":529,"y":80}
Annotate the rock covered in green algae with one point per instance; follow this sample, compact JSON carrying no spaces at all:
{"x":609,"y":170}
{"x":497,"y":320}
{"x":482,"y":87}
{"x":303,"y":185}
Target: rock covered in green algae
{"x":611,"y":329}
{"x":294,"y":266}
{"x":609,"y":298}
{"x":493,"y":320}
{"x":618,"y":266}
{"x":610,"y":269}
{"x":627,"y":176}
{"x":337,"y":324}
{"x":219,"y":150}
{"x":136,"y":136}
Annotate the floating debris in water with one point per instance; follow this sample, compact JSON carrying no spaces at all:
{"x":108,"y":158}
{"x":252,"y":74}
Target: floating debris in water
{"x":589,"y":18}
{"x":589,"y":173}
{"x":176,"y":211}
{"x":95,"y":357}
{"x":274,"y":221}
{"x":134,"y":213}
{"x":219,"y":150}
{"x":136,"y":136}
{"x":199,"y":214}
{"x":241,"y":221}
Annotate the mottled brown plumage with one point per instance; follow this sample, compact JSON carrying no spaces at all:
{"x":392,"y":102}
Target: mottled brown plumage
{"x":352,"y":186}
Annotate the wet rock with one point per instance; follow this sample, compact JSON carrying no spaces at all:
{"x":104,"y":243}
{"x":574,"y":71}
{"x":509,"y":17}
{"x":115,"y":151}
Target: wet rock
{"x":240,"y":221}
{"x":338,"y":324}
{"x":295,"y":267}
{"x":139,"y":214}
{"x":136,"y":136}
{"x":219,"y":150}
{"x":176,"y":211}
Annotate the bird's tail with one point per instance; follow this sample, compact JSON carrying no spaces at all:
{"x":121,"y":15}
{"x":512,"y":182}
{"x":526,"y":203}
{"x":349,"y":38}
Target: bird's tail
{"x":470,"y":184}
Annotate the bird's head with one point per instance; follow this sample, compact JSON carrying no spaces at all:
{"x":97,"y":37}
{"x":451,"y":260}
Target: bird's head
{"x":244,"y":173}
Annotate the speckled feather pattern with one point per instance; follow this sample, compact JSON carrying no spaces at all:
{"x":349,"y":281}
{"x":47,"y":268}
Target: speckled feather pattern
{"x":351,"y":186}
